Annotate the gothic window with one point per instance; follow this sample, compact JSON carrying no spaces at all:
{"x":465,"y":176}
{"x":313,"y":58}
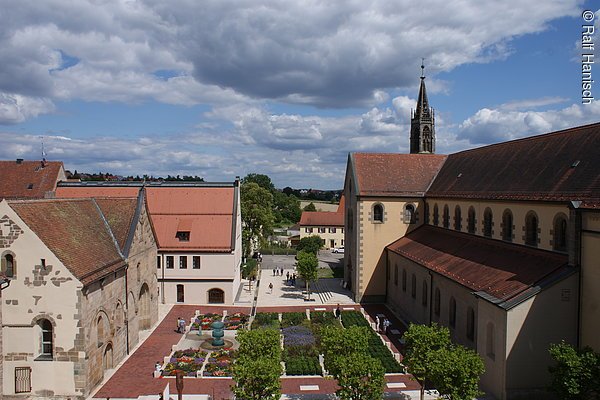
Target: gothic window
{"x":471,"y":324}
{"x":436,"y":302}
{"x":404,"y":280}
{"x":413,"y":292}
{"x":471,"y":220}
{"x":560,"y":233}
{"x":436,"y":215}
{"x":424,"y":294}
{"x":507,"y":225}
{"x":531,"y":229}
{"x":426,"y":205}
{"x":409,"y":214}
{"x":9,"y":265}
{"x":452,"y":312}
{"x":457,"y":218}
{"x":100,"y":330}
{"x":446,"y":217}
{"x":487,"y":222}
{"x":378,"y":213}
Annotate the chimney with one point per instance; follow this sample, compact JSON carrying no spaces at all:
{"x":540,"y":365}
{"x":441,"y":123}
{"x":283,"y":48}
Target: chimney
{"x":19,"y":161}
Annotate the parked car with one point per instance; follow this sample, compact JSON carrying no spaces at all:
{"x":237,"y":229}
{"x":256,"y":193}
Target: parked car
{"x":338,"y":249}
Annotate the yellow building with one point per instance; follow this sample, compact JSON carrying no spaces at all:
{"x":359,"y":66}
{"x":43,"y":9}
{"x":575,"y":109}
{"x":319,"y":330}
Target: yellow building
{"x":329,"y":226}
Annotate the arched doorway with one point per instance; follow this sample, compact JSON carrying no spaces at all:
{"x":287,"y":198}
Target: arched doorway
{"x":216,"y":296}
{"x":107,"y":361}
{"x":144,"y":307}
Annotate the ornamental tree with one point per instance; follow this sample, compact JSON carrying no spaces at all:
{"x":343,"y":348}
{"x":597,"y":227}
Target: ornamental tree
{"x":576,"y":374}
{"x":259,"y":343}
{"x":257,"y":379}
{"x":455,"y":372}
{"x":360,"y":377}
{"x":307,"y":268}
{"x":337,"y":342}
{"x":310,"y":244}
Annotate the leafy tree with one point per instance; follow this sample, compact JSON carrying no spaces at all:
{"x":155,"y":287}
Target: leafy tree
{"x":259,"y":343}
{"x":310,"y":244}
{"x":455,"y":372}
{"x":310,"y":207}
{"x":576,"y":374}
{"x":422,"y":341}
{"x":337,"y":342}
{"x":261,"y":180}
{"x":286,"y":208}
{"x":307,"y":268}
{"x":257,"y":215}
{"x":360,"y":377}
{"x":257,"y":379}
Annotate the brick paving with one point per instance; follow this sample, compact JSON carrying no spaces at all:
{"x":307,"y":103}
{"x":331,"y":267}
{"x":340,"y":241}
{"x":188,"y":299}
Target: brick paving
{"x":135,"y":377}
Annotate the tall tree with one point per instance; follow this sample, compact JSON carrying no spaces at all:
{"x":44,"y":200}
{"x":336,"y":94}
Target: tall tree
{"x":257,"y":215}
{"x":308,"y":268}
{"x":257,"y":379}
{"x":576,"y":374}
{"x":310,"y":244}
{"x":360,"y":377}
{"x":455,"y":372}
{"x":261,"y":180}
{"x":286,"y":208}
{"x":259,"y":343}
{"x":337,"y":342}
{"x":422,"y":341}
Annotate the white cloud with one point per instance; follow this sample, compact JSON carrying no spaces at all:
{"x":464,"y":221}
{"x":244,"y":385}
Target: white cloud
{"x":15,"y":108}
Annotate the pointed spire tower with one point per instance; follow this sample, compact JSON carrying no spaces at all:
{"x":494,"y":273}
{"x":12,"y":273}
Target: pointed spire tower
{"x":422,"y":122}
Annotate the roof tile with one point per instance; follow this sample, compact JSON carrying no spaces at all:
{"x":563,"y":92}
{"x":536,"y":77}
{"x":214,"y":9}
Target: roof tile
{"x":28,"y":179}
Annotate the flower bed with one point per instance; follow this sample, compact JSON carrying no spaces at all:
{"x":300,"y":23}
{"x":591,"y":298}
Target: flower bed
{"x":219,"y":363}
{"x":189,"y":361}
{"x":299,"y":351}
{"x":235,"y":321}
{"x":292,"y":318}
{"x":266,"y":320}
{"x":203,"y":321}
{"x":376,"y":347}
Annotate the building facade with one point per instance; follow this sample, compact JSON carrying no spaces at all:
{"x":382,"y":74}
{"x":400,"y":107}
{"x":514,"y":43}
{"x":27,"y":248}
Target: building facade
{"x":74,"y":307}
{"x":328,"y":225}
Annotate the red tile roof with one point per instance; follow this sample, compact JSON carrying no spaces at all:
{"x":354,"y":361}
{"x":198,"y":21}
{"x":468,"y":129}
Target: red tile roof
{"x":119,"y":214}
{"x":16,"y":179}
{"x":383,"y":174}
{"x":74,"y":230}
{"x":322,"y":218}
{"x":342,"y":204}
{"x":197,"y":207}
{"x":558,"y":166}
{"x":499,"y":269}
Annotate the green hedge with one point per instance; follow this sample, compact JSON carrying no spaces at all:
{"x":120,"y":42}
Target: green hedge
{"x":292,"y":318}
{"x":302,"y":365}
{"x":266,"y":320}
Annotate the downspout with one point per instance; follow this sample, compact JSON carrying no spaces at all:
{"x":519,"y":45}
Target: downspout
{"x":127,"y":308}
{"x":162,"y":281}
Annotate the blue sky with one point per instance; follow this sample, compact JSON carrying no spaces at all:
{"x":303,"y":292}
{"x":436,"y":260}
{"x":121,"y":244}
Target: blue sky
{"x":288,"y":89}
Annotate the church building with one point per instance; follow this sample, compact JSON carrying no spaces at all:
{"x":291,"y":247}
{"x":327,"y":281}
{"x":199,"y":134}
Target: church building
{"x":495,"y":243}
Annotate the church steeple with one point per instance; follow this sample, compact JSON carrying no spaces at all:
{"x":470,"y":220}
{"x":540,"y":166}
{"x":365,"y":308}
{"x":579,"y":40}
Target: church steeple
{"x":422,"y":123}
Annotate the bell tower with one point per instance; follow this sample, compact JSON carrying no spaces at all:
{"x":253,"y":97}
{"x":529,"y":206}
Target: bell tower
{"x":422,"y":122}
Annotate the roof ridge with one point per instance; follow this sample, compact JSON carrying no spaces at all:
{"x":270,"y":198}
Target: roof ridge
{"x":108,"y":228}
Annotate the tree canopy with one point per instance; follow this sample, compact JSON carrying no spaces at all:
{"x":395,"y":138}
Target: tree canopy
{"x":308,"y":268}
{"x":576,"y":374}
{"x":310,"y":244}
{"x":310,"y":207}
{"x":257,"y":215}
{"x":261,"y":180}
{"x":360,"y":377}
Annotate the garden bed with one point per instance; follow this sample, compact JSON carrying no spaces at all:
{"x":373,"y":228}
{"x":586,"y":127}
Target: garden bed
{"x":188,"y":361}
{"x":235,"y":321}
{"x":219,"y":363}
{"x":203,"y":321}
{"x":300,"y":352}
{"x":266,"y":320}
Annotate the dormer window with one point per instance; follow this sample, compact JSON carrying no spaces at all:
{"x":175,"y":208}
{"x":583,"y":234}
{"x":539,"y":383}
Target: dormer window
{"x":183,"y":236}
{"x":30,"y":186}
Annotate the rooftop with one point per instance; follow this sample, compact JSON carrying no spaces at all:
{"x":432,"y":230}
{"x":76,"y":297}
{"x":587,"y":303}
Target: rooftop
{"x":29,"y":179}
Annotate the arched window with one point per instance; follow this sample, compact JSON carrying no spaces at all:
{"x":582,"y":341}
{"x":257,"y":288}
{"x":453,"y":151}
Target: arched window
{"x":531,"y":229}
{"x":426,"y":205}
{"x":507,"y":225}
{"x":409,"y":214}
{"x":436,"y":215}
{"x":180,"y":294}
{"x":424,"y":294}
{"x":457,"y":218}
{"x":452,"y":312}
{"x":396,"y":274}
{"x":490,"y":341}
{"x":378,"y":213}
{"x":404,"y":280}
{"x":560,"y":233}
{"x":436,"y":302}
{"x":471,"y":323}
{"x":101,"y":330}
{"x":216,"y":296}
{"x":413,"y":288}
{"x":487,"y":222}
{"x":9,"y":265}
{"x":118,"y":317}
{"x":46,"y":338}
{"x":446,"y":217}
{"x":471,"y":223}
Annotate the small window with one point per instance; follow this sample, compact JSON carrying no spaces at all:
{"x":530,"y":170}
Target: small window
{"x":436,"y":215}
{"x":216,"y":296}
{"x":424,"y":294}
{"x":196,"y":262}
{"x":446,"y":216}
{"x":409,"y":214}
{"x":471,"y":220}
{"x":560,"y":233}
{"x":507,"y":225}
{"x":170,"y":262}
{"x":404,"y":280}
{"x":46,"y":338}
{"x":30,"y":186}
{"x":378,"y":213}
{"x":471,"y":324}
{"x":180,"y":294}
{"x":321,"y":230}
{"x":332,"y":230}
{"x":531,"y":229}
{"x":396,"y":274}
{"x":8,"y":265}
{"x":22,"y":379}
{"x":182,"y":262}
{"x":452,"y":312}
{"x":487,"y":222}
{"x":308,"y":230}
{"x":413,"y":288}
{"x":457,"y":218}
{"x":100,"y":331}
{"x":426,"y":212}
{"x":183,"y":236}
{"x":436,"y":302}
{"x":158,"y":262}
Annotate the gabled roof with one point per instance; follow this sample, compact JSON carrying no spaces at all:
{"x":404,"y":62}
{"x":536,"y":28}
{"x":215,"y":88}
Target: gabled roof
{"x":28,"y":179}
{"x":79,"y":233}
{"x":119,"y":214}
{"x":558,"y":166}
{"x":501,"y":271}
{"x":206,"y":210}
{"x":322,"y":218}
{"x":387,"y":174}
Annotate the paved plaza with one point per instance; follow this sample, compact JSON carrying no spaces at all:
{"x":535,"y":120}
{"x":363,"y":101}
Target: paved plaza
{"x":134,"y":377}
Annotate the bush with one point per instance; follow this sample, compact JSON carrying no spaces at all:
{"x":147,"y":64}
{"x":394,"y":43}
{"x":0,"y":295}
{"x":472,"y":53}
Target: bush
{"x":292,"y":318}
{"x":302,"y":365}
{"x":266,"y":320}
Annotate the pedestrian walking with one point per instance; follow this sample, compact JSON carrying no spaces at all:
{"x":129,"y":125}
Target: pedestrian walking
{"x":386,"y":325}
{"x":181,"y":325}
{"x":287,"y":275}
{"x":337,"y":311}
{"x":273,"y":271}
{"x":178,"y":326}
{"x":271,"y":288}
{"x":281,"y":271}
{"x":377,"y":328}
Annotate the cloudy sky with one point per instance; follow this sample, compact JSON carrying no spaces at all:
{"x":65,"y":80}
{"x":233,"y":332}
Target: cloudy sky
{"x":221,"y":88}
